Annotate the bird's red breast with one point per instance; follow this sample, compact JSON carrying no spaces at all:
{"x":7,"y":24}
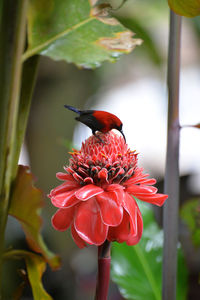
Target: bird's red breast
{"x":108,"y":120}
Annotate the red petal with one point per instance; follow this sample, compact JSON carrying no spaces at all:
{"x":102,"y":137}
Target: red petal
{"x":133,"y":240}
{"x":77,"y":177}
{"x":69,"y":170}
{"x":157,"y":199}
{"x":64,"y":176}
{"x":62,"y":219}
{"x":141,"y":190}
{"x":120,"y":233}
{"x":88,"y":223}
{"x":150,"y":181}
{"x":79,"y":242}
{"x":113,"y":187}
{"x":136,"y":180}
{"x":82,"y":172}
{"x":118,"y":190}
{"x":64,"y":187}
{"x":103,"y":175}
{"x":130,"y":206}
{"x":88,"y":191}
{"x":111,"y":212}
{"x":120,"y":172}
{"x":65,"y":199}
{"x":88,"y":180}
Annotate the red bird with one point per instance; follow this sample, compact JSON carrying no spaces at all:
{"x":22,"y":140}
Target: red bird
{"x":98,"y":120}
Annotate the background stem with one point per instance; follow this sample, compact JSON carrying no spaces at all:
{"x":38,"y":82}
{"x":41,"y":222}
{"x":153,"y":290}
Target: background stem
{"x":103,"y":277}
{"x":29,"y":73}
{"x":12,"y":40}
{"x":171,"y":207}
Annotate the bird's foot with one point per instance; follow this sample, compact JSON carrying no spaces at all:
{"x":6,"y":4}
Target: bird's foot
{"x":99,"y":139}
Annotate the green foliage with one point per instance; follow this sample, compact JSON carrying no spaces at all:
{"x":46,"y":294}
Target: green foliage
{"x":76,"y":31}
{"x":26,"y":203}
{"x":36,"y":266}
{"x":140,"y":30}
{"x":190,"y":214}
{"x":138,"y":269}
{"x":187,"y":8}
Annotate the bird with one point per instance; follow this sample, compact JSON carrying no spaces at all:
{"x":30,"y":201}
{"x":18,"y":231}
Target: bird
{"x":98,"y":120}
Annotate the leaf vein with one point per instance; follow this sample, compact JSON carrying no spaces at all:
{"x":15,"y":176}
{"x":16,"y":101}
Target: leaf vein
{"x":40,"y":47}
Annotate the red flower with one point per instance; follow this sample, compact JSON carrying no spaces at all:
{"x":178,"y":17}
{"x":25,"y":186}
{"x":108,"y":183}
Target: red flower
{"x":97,"y":198}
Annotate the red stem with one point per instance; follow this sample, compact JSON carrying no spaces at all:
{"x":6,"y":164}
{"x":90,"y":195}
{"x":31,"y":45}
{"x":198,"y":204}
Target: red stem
{"x":103,"y":277}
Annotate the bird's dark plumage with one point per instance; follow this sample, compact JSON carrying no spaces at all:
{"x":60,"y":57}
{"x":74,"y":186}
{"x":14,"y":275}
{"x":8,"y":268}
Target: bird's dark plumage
{"x":98,"y":120}
{"x":72,"y":108}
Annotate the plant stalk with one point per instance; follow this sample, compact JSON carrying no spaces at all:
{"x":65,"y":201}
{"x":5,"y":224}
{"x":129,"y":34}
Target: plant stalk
{"x":12,"y":41}
{"x":103,"y":277}
{"x":29,"y":73}
{"x":171,"y":207}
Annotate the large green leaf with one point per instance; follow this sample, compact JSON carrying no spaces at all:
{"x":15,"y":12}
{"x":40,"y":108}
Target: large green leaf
{"x":140,"y":28}
{"x":187,"y":8}
{"x":76,"y":31}
{"x":36,"y":266}
{"x":190,"y":214}
{"x":26,"y":204}
{"x":138,"y":269}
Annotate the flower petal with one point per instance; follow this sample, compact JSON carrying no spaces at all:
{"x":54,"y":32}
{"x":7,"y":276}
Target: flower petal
{"x":88,"y":223}
{"x":120,"y":233}
{"x":64,"y":187}
{"x":118,"y":190}
{"x":141,"y":190}
{"x":103,"y":175}
{"x":77,"y":239}
{"x":88,"y":191}
{"x":62,"y":219}
{"x":134,"y":239}
{"x":88,"y":180}
{"x":65,"y":199}
{"x":130,"y":206}
{"x":136,"y":180}
{"x":157,"y":199}
{"x":64,"y":176}
{"x":150,"y":181}
{"x":111,"y":211}
{"x":113,"y":187}
{"x":77,"y":177}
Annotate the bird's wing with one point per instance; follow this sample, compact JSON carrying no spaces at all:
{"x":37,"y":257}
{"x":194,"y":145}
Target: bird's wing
{"x":88,"y":119}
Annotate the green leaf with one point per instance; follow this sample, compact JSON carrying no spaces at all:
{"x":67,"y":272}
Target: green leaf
{"x":26,"y":203}
{"x":190,"y":214}
{"x":149,"y":45}
{"x":36,"y":266}
{"x":76,"y":31}
{"x":187,"y":8}
{"x":138,"y":269}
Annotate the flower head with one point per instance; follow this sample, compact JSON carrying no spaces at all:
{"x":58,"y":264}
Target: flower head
{"x":97,"y":197}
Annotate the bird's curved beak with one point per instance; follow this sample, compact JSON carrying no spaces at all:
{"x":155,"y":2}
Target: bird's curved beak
{"x":123,"y":135}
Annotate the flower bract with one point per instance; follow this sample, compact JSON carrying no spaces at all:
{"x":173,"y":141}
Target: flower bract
{"x":97,"y":198}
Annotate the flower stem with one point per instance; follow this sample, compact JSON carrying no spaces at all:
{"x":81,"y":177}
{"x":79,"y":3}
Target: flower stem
{"x":103,"y":277}
{"x":12,"y":40}
{"x":172,"y":162}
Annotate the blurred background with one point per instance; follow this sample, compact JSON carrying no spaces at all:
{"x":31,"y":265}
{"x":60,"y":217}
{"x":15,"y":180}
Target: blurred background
{"x":135,"y":90}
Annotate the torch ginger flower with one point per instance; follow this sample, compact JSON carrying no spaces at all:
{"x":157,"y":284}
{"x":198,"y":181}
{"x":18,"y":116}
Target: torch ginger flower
{"x":97,"y":198}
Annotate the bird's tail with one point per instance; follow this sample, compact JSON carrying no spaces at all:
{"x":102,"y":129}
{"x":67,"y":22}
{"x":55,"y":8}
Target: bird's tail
{"x":72,"y":108}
